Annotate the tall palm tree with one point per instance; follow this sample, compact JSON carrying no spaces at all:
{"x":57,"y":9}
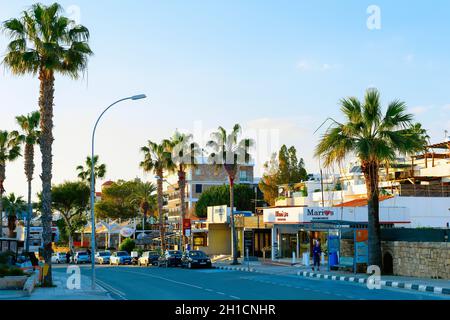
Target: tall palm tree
{"x":84,"y":173}
{"x":229,"y":153}
{"x":375,"y":138}
{"x":13,"y":206}
{"x":184,"y":155}
{"x":43,"y":43}
{"x":157,"y":160}
{"x":144,"y":196}
{"x":9,"y":151}
{"x":30,"y":135}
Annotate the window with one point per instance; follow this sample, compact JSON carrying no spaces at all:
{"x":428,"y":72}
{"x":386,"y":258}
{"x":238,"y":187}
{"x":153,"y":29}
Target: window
{"x":243,"y":176}
{"x":198,"y":188}
{"x":198,"y":171}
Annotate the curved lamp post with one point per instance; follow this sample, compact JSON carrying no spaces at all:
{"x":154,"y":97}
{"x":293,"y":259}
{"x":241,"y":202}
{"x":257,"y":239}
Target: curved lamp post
{"x":136,"y":97}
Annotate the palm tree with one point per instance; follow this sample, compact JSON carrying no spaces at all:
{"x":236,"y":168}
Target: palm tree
{"x":84,"y":173}
{"x":43,"y":42}
{"x":184,"y":152}
{"x":157,"y":160}
{"x":230,"y":153}
{"x":30,"y":135}
{"x":375,"y":138}
{"x":144,"y":195}
{"x":13,"y":206}
{"x":9,"y":151}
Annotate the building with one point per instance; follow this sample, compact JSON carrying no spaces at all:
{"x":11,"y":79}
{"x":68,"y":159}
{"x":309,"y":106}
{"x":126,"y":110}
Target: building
{"x":198,"y":179}
{"x":420,"y":183}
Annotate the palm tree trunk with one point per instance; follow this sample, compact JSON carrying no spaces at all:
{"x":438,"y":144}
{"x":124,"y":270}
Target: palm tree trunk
{"x":160,"y":209}
{"x":182,"y":185}
{"x":46,"y":97}
{"x":2,"y":190}
{"x":371,"y":176}
{"x":11,"y":225}
{"x":29,"y":216}
{"x":233,"y":227}
{"x":29,"y":170}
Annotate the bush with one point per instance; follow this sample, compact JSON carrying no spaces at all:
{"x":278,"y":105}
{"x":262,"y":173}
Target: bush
{"x":14,"y":272}
{"x":10,"y":271}
{"x":127,"y":245}
{"x":6,"y":257}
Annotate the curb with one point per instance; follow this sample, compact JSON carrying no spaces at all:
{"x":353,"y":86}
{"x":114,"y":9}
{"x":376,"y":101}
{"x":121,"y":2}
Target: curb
{"x":393,"y":284}
{"x":236,"y":268}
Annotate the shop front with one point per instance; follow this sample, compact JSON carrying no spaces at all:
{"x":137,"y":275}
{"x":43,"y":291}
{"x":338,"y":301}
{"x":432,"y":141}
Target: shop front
{"x":294,"y":229}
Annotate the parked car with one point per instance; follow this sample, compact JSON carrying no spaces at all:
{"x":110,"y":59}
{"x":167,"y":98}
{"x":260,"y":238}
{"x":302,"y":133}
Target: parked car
{"x":102,"y":257}
{"x":58,"y":257}
{"x":171,"y":258}
{"x":149,"y":258}
{"x":192,"y":259}
{"x":134,"y":258}
{"x":82,"y":257}
{"x":120,"y":257}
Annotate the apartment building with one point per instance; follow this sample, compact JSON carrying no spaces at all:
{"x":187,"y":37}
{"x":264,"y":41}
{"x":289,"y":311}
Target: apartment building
{"x":199,"y":179}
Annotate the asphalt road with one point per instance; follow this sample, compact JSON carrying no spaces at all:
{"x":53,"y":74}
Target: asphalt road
{"x":153,"y":283}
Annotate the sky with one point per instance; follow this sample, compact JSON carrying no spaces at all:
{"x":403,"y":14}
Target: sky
{"x":279,"y":68}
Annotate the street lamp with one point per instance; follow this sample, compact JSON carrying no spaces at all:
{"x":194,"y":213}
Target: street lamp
{"x":181,"y":216}
{"x":136,"y":97}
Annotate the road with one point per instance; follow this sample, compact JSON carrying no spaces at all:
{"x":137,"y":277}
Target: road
{"x":152,"y":283}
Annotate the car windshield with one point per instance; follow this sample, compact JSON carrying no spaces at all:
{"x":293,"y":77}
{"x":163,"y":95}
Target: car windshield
{"x":197,"y":254}
{"x":104,"y":254}
{"x":153,"y":253}
{"x":174,"y":252}
{"x":82,"y":253}
{"x":122,"y":254}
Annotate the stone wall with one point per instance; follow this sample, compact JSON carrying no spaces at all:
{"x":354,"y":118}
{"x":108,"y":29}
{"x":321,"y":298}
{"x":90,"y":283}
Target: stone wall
{"x":419,"y":259}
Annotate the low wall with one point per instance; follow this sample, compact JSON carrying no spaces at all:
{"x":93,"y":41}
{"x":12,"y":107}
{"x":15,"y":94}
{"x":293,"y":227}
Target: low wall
{"x":419,"y":259}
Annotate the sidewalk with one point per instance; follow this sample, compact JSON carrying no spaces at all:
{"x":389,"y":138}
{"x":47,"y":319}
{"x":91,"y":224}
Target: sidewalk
{"x":61,"y":292}
{"x":438,"y":286}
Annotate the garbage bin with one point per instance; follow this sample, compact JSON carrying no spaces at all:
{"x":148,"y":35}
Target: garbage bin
{"x":333,"y":259}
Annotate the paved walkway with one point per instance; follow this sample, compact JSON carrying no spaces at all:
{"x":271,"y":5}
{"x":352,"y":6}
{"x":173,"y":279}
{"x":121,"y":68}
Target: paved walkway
{"x":61,"y":291}
{"x":285,"y":268}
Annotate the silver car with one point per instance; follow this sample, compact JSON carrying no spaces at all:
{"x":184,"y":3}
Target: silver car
{"x":82,"y":257}
{"x":102,"y":257}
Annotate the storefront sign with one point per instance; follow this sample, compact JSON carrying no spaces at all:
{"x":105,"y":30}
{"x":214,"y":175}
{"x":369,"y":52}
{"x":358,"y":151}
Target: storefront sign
{"x":320,"y":214}
{"x":361,"y":246}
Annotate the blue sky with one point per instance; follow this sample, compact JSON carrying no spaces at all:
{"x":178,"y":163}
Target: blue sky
{"x":277,"y":65}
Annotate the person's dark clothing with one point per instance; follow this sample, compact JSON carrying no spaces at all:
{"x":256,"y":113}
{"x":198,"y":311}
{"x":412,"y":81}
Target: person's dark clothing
{"x":317,"y":252}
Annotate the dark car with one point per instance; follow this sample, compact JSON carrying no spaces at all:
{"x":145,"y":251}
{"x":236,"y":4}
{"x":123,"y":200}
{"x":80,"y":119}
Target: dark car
{"x":172,"y":258}
{"x":192,"y":259}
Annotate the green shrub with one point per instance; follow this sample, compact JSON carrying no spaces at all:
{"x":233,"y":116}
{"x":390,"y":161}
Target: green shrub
{"x":127,"y":245}
{"x":3,"y":270}
{"x":5,"y":257}
{"x":14,"y":272}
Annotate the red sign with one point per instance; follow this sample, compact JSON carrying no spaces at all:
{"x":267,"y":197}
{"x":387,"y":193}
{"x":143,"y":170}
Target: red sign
{"x":186,"y":224}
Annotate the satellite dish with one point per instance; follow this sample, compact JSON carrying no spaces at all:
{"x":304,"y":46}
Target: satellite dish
{"x":126,"y":232}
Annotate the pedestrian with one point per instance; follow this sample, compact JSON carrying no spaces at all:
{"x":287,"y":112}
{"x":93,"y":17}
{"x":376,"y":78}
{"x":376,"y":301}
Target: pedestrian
{"x":68,"y":257}
{"x":317,"y":252}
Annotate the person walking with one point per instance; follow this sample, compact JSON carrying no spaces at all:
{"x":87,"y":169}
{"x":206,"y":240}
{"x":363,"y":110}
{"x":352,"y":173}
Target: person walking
{"x":317,"y":253}
{"x":68,"y":257}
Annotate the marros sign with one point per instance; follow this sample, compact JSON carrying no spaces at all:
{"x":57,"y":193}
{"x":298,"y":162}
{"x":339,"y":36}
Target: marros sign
{"x":319,"y":214}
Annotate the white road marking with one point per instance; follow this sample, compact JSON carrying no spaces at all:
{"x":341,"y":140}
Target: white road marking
{"x":111,"y":289}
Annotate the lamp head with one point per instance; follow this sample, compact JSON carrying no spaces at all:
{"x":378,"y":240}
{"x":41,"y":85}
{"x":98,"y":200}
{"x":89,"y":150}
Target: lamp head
{"x":138,"y":97}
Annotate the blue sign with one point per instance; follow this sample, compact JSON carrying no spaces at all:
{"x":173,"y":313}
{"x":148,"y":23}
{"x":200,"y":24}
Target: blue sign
{"x":361,"y":252}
